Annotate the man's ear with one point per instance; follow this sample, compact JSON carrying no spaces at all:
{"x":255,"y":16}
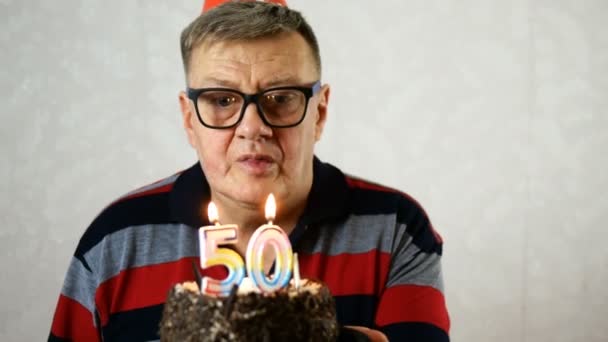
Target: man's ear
{"x":322,"y":111}
{"x":187,"y":116}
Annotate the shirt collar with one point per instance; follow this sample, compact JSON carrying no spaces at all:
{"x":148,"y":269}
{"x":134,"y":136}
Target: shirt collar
{"x":327,"y":200}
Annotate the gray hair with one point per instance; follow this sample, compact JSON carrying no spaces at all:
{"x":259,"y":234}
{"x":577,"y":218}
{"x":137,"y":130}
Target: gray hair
{"x":244,"y":21}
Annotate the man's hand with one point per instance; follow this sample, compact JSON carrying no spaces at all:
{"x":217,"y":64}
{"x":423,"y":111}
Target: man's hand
{"x":373,"y":335}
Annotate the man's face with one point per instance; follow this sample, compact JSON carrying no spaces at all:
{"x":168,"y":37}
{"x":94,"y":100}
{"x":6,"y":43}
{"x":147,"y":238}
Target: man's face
{"x":247,"y":162}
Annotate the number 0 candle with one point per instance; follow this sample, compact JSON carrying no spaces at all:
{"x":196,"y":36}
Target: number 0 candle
{"x":269,"y":235}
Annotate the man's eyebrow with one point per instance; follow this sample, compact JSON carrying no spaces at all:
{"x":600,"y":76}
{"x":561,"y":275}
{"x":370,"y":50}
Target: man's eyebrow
{"x":289,"y":80}
{"x":219,"y":82}
{"x":282,"y":81}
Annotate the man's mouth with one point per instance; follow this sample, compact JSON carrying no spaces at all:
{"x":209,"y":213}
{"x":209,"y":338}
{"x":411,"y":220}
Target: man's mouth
{"x":256,"y":164}
{"x":256,"y":157}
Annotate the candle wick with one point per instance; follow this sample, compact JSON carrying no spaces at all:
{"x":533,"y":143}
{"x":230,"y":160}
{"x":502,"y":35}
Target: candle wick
{"x":230,"y":301}
{"x":197,"y":275}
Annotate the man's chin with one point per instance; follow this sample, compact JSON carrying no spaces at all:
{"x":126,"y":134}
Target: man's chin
{"x":247,"y":189}
{"x":254,"y":194}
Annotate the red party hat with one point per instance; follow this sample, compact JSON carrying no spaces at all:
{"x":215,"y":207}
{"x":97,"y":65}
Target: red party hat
{"x":209,"y":4}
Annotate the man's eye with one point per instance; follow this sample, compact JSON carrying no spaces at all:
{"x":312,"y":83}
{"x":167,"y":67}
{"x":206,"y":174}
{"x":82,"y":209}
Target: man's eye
{"x":225,"y":101}
{"x":278,"y":99}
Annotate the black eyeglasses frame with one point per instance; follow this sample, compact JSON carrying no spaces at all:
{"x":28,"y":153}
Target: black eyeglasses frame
{"x":309,"y":92}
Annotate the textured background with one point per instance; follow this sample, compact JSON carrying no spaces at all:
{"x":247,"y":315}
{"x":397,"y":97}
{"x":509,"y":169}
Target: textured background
{"x":494,"y":114}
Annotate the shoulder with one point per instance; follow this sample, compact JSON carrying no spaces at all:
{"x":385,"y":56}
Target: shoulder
{"x":146,"y":205}
{"x":372,"y":198}
{"x":369,"y":198}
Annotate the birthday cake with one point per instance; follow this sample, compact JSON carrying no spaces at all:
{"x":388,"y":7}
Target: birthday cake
{"x":303,"y":313}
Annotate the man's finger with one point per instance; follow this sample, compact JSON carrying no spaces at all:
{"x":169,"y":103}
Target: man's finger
{"x":374,"y":335}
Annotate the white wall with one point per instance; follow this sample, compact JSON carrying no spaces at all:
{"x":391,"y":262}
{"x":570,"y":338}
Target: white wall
{"x":494,"y":114}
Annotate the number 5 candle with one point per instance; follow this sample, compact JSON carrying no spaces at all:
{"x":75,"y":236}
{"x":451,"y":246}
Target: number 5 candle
{"x":209,"y":238}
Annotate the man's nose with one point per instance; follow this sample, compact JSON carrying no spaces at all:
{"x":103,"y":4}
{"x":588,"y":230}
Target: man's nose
{"x":252,"y":126}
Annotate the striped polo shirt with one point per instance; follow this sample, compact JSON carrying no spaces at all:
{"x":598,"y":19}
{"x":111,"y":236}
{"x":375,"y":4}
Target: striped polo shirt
{"x":374,"y":247}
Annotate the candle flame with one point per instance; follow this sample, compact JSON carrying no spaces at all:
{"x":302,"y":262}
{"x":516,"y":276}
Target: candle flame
{"x":214,"y":217}
{"x":271,"y":207}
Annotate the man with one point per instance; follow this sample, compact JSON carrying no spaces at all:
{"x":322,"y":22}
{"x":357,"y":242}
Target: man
{"x":253,"y":110}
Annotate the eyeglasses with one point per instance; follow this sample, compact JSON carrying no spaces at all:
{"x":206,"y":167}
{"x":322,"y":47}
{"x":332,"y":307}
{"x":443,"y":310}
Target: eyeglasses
{"x":279,"y":107}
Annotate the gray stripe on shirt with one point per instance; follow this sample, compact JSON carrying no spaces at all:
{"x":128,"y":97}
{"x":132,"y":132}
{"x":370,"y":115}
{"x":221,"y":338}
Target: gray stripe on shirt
{"x":154,"y":244}
{"x":411,"y":266}
{"x":364,"y":233}
{"x":356,"y":234}
{"x":79,"y":285}
{"x":138,"y":246}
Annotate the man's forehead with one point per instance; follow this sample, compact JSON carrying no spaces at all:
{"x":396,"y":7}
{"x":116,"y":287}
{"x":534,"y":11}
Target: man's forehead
{"x":266,"y":71}
{"x":274,"y":53}
{"x":285,"y":57}
{"x":246,"y":53}
{"x":259,"y":49}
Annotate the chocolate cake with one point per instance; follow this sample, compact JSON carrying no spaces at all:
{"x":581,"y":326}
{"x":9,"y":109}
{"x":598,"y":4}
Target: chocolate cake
{"x":289,"y":314}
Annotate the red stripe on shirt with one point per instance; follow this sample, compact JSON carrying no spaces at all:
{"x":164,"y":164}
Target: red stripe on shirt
{"x":342,"y":278}
{"x":73,"y":322}
{"x":413,"y":303}
{"x":147,"y":285}
{"x":361,"y":184}
{"x":160,"y":189}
